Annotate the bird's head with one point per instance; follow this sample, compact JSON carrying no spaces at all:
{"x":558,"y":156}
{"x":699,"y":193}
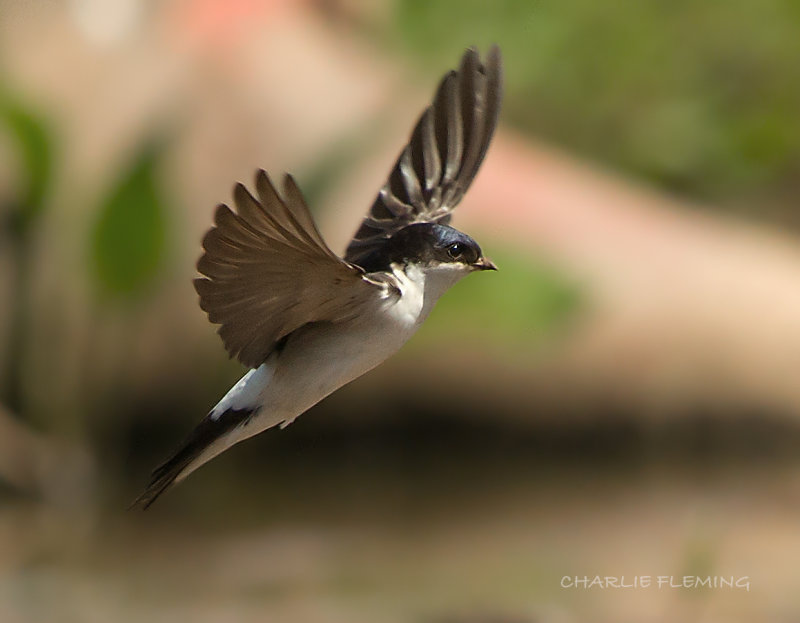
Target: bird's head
{"x":432,"y":248}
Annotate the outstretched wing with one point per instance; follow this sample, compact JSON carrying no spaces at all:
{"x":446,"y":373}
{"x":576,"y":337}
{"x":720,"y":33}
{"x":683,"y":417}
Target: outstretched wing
{"x":442,"y":157}
{"x":267,"y":272}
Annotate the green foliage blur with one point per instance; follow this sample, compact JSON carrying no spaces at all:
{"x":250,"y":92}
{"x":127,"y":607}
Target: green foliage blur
{"x":699,"y":98}
{"x":512,"y":310}
{"x":128,"y":240}
{"x":22,"y":208}
{"x":33,"y":144}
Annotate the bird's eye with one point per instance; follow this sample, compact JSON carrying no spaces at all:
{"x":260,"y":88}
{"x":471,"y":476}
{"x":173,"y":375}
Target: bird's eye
{"x":455,"y":250}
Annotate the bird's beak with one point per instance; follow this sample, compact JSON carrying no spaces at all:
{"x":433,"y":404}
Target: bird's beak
{"x":484,"y":263}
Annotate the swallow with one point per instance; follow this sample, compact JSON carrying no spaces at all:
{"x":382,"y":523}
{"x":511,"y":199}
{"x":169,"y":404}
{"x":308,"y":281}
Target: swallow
{"x":306,"y":321}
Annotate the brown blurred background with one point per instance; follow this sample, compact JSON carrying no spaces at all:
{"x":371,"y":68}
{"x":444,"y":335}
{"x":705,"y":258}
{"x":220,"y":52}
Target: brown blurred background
{"x":622,"y":398}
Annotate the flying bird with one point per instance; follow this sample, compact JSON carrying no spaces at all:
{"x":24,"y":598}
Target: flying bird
{"x":306,"y":321}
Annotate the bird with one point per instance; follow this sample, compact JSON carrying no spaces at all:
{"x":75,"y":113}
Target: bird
{"x":306,"y":321}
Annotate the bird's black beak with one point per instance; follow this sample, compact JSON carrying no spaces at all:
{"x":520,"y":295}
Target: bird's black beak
{"x":484,"y":263}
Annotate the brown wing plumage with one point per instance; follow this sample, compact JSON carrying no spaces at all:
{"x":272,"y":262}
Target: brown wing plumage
{"x":442,"y":157}
{"x":268,"y":272}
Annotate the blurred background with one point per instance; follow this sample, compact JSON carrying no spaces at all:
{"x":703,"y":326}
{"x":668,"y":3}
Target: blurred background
{"x":621,"y":398}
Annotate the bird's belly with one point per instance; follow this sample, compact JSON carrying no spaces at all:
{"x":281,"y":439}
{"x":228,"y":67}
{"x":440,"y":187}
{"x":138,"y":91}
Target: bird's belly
{"x":320,"y":359}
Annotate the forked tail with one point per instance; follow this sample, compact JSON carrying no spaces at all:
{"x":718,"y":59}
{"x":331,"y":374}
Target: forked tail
{"x":207,"y":440}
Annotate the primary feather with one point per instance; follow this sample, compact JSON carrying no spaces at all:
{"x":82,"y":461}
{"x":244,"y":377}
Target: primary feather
{"x":267,"y":272}
{"x":442,"y":156}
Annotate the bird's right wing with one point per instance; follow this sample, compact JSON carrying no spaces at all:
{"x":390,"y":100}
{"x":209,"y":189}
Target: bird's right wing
{"x":267,"y":272}
{"x":442,"y":156}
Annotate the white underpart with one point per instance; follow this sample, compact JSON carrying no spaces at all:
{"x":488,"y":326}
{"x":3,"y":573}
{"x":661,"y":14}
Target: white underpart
{"x":245,"y":393}
{"x":320,"y":359}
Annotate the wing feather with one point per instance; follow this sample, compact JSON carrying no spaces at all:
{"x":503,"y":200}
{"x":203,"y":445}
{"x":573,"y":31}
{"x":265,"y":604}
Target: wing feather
{"x":442,"y":157}
{"x":267,"y":271}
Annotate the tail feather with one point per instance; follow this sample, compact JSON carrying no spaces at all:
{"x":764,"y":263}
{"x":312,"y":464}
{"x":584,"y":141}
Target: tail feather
{"x":196,"y":449}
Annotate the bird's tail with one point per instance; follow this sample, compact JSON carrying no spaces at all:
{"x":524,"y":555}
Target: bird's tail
{"x":207,"y":440}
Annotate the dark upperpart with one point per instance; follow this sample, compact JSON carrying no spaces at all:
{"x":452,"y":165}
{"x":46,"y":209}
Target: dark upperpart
{"x":424,"y":244}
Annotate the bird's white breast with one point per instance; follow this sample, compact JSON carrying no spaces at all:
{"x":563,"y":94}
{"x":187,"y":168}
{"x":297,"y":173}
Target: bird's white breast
{"x":320,"y":358}
{"x":405,"y":312}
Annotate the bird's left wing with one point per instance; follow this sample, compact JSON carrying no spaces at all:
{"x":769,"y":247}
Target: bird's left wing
{"x":267,"y":272}
{"x":442,"y":156}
